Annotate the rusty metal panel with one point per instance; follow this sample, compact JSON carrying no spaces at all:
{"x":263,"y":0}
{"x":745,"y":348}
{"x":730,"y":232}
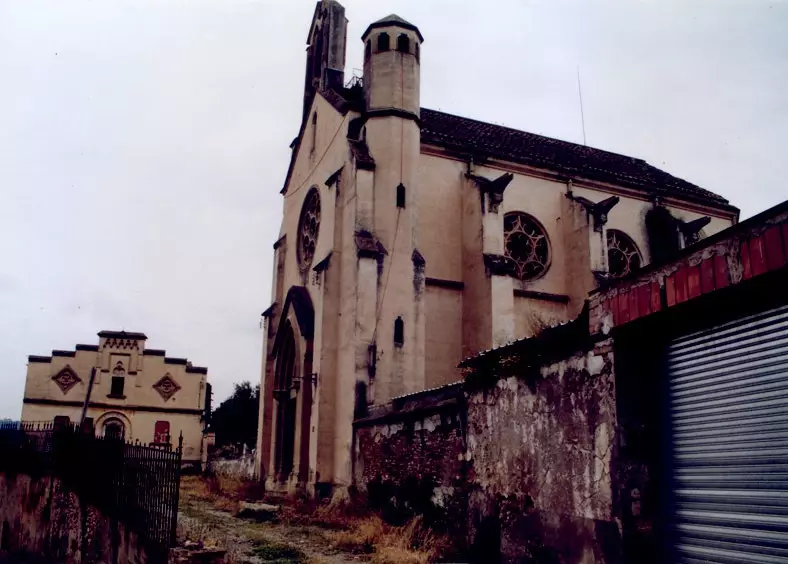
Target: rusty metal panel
{"x":729,"y":412}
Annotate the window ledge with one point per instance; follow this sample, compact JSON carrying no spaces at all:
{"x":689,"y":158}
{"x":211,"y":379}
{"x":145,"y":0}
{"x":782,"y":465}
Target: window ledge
{"x":546,"y":296}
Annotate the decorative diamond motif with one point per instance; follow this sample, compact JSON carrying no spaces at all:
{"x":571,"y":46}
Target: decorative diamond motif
{"x":66,"y":379}
{"x":166,"y":386}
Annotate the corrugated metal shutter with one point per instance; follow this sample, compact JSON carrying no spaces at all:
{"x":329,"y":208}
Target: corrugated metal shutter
{"x":729,"y":409}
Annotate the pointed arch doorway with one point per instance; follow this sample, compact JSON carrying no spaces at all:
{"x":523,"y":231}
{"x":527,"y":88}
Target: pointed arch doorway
{"x":286,"y":398}
{"x":292,"y":392}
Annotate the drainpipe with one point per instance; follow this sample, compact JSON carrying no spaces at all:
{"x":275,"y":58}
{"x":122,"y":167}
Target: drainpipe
{"x":87,"y":396}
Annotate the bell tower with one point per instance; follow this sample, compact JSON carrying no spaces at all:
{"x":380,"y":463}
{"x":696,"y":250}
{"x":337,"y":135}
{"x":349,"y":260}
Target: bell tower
{"x":392,"y":54}
{"x":325,"y":52}
{"x":392,"y":51}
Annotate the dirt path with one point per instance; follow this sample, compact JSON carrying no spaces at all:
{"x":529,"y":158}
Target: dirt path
{"x":249,"y":542}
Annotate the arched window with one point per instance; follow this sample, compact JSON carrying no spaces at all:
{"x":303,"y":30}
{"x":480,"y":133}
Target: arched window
{"x":400,"y":195}
{"x":118,"y":381}
{"x":403,"y":43}
{"x":114,"y":429}
{"x":368,"y":49}
{"x":416,"y":50}
{"x":284,"y":446}
{"x":285,"y":363}
{"x":525,"y":242}
{"x":308,"y":229}
{"x":399,"y":332}
{"x":383,"y":42}
{"x":623,"y":255}
{"x":314,"y":134}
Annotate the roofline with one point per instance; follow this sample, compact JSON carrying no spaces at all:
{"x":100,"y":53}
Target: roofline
{"x":37,"y":358}
{"x":721,"y":203}
{"x":402,"y":24}
{"x":296,"y":144}
{"x":122,"y":335}
{"x":705,"y":207}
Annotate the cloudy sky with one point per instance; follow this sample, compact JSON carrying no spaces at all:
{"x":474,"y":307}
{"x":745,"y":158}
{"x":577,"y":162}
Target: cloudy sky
{"x":143,"y":143}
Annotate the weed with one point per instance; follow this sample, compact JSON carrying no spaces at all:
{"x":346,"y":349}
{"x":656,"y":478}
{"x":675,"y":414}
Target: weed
{"x":281,"y":554}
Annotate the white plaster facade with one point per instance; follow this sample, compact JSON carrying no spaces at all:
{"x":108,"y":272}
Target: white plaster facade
{"x":409,"y":272}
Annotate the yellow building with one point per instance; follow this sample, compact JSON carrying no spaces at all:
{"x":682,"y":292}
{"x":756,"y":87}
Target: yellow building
{"x":137,"y":393}
{"x":412,"y":238}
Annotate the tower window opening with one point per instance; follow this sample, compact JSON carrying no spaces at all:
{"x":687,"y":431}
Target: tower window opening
{"x":400,"y":196}
{"x":416,"y":50}
{"x":403,"y":43}
{"x":399,"y":332}
{"x":383,"y":42}
{"x":314,"y":133}
{"x":368,"y":49}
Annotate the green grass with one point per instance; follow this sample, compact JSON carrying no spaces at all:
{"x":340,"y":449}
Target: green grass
{"x":274,"y":553}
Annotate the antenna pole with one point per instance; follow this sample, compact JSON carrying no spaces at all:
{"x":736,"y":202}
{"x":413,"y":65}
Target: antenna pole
{"x":580,"y":95}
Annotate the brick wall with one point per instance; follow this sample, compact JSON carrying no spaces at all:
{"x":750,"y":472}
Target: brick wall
{"x":410,"y":456}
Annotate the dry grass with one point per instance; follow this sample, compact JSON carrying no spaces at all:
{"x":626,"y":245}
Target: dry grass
{"x":221,"y":491}
{"x":195,"y":530}
{"x":347,"y":526}
{"x":412,"y":543}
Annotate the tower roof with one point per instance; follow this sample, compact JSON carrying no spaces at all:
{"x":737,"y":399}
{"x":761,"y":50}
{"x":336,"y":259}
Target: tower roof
{"x":393,"y":20}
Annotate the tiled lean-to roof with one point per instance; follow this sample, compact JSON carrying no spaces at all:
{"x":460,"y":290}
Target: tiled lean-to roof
{"x":570,"y":159}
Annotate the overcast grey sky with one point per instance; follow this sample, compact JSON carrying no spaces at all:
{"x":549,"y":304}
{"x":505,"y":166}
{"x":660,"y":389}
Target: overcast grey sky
{"x":143,"y":143}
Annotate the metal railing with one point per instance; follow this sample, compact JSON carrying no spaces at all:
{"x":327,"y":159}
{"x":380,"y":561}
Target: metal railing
{"x":135,"y":483}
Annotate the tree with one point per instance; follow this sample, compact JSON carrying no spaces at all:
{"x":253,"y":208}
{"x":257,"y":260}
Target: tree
{"x":235,"y":420}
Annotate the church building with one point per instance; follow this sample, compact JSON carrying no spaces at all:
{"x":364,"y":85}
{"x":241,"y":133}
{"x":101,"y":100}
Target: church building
{"x":413,"y":238}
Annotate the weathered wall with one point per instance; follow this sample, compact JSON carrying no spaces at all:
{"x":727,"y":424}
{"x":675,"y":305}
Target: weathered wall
{"x":240,"y":467}
{"x":40,"y":517}
{"x":410,"y":457}
{"x":542,"y":447}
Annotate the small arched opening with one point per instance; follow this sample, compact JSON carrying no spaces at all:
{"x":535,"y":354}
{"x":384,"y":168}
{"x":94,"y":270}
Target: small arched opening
{"x":399,"y":332}
{"x":403,"y":43}
{"x":384,"y":42}
{"x":400,"y":196}
{"x":114,"y":428}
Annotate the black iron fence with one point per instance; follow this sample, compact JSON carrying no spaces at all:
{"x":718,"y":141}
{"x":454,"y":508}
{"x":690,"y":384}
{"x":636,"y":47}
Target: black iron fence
{"x":135,"y":483}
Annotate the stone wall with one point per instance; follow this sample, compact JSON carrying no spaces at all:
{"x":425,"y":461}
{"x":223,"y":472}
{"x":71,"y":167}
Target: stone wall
{"x":410,"y":456}
{"x":542,"y":445}
{"x":241,"y":466}
{"x":519,"y":462}
{"x":41,"y":518}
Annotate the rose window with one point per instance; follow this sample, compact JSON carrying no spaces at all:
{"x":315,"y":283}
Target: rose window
{"x":525,"y":242}
{"x":623,"y":256}
{"x":308,"y":228}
